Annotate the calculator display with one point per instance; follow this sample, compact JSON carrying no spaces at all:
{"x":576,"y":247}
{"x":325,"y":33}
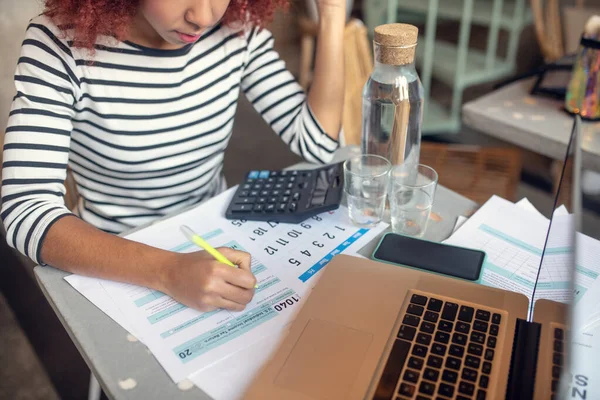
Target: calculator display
{"x":287,"y":196}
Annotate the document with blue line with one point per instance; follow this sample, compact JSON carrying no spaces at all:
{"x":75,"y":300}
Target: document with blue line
{"x":185,"y":340}
{"x":285,"y":260}
{"x":513,"y":239}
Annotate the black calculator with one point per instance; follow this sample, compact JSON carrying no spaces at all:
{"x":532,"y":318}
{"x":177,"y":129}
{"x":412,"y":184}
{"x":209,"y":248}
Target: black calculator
{"x":287,"y":196}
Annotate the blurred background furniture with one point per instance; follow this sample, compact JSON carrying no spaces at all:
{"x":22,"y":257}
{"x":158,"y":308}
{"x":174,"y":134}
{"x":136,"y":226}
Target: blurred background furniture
{"x":537,"y":124}
{"x":454,"y":62}
{"x":559,"y":23}
{"x":473,"y":171}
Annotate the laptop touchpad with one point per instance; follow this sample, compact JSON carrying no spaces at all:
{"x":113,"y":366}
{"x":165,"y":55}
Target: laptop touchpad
{"x":325,"y":361}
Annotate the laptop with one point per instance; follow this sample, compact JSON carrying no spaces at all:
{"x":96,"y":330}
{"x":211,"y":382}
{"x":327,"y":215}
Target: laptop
{"x":375,"y":331}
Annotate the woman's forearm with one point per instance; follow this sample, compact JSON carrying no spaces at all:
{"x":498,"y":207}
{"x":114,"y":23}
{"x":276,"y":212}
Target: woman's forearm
{"x":75,"y":246}
{"x":326,"y":95}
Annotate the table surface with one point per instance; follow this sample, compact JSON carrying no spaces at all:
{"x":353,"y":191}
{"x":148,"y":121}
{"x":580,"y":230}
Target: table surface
{"x":535,"y":123}
{"x":113,"y":358}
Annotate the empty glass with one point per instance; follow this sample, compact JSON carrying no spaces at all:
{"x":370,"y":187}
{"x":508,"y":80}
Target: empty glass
{"x":411,"y":197}
{"x":366,"y":180}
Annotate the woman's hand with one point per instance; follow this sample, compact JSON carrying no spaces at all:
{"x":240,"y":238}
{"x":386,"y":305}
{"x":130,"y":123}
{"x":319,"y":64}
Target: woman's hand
{"x":201,"y":282}
{"x":331,"y":9}
{"x":326,"y":95}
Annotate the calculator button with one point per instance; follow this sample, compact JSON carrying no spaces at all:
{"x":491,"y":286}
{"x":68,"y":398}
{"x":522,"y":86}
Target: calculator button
{"x":247,"y":186}
{"x":261,"y":200}
{"x":276,"y":193}
{"x":285,"y":199}
{"x":272,"y":200}
{"x":243,"y":193}
{"x":257,"y":186}
{"x":241,"y":208}
{"x":283,"y":173}
{"x":264,"y":193}
{"x":293,"y":179}
{"x":253,"y":174}
{"x":281,"y":207}
{"x":287,"y":193}
{"x":331,"y":172}
{"x":268,"y":186}
{"x":246,"y":200}
{"x":249,"y":180}
{"x":253,"y":193}
{"x":293,"y":207}
{"x":290,"y":185}
{"x":271,"y":180}
{"x":322,"y":181}
{"x":274,"y":173}
{"x":259,"y":207}
{"x":279,"y":186}
{"x":280,"y":180}
{"x":263,"y":174}
{"x":294,"y":173}
{"x":270,"y":207}
{"x":317,"y":201}
{"x":296,"y":196}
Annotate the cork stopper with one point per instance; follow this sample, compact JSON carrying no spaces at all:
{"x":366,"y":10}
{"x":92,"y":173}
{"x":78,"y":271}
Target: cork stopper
{"x":397,"y":43}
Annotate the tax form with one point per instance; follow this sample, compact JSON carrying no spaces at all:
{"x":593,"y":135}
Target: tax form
{"x":513,"y":239}
{"x":185,"y":340}
{"x":286,"y":260}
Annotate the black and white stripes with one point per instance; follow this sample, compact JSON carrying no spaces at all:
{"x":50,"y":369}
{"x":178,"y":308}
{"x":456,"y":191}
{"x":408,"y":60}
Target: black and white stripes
{"x":143,"y":130}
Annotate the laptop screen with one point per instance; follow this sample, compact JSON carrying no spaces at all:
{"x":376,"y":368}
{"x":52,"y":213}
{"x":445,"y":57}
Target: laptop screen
{"x":583,"y":381}
{"x":554,"y":280}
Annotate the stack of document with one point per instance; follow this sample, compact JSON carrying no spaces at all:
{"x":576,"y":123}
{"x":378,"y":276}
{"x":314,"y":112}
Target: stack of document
{"x":221,"y":351}
{"x":513,"y":237}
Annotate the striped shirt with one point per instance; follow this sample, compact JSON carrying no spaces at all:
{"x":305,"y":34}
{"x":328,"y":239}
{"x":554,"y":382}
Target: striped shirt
{"x":143,"y":130}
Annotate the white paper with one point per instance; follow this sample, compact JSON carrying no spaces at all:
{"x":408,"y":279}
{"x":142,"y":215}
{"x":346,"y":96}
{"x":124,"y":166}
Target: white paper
{"x":585,"y":374}
{"x":231,"y":377}
{"x":588,"y":265}
{"x":93,"y":290}
{"x":525,"y":204}
{"x":460,"y":220}
{"x":186,"y":341}
{"x":513,"y":237}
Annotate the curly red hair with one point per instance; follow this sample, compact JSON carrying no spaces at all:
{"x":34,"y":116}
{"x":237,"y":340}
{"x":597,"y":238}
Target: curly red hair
{"x":90,"y":18}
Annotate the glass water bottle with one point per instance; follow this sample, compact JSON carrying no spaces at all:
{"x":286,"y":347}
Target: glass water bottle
{"x":393,"y":97}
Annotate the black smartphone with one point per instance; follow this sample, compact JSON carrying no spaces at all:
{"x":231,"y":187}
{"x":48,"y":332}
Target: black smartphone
{"x":434,"y":257}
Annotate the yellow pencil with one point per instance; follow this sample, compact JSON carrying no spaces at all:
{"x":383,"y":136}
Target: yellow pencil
{"x":198,"y":241}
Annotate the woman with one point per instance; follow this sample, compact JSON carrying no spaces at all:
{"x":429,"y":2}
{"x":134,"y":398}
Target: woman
{"x":137,"y":97}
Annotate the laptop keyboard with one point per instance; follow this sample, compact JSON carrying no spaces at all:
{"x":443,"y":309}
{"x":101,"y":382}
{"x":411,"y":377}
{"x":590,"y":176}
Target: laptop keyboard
{"x":557,"y":359}
{"x":443,"y":350}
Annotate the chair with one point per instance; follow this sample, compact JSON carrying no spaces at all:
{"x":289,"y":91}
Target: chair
{"x":548,"y":19}
{"x":473,"y":171}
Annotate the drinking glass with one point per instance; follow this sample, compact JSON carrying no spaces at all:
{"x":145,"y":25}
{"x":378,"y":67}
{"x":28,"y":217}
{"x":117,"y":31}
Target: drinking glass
{"x":411,"y":196}
{"x":366,"y":181}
